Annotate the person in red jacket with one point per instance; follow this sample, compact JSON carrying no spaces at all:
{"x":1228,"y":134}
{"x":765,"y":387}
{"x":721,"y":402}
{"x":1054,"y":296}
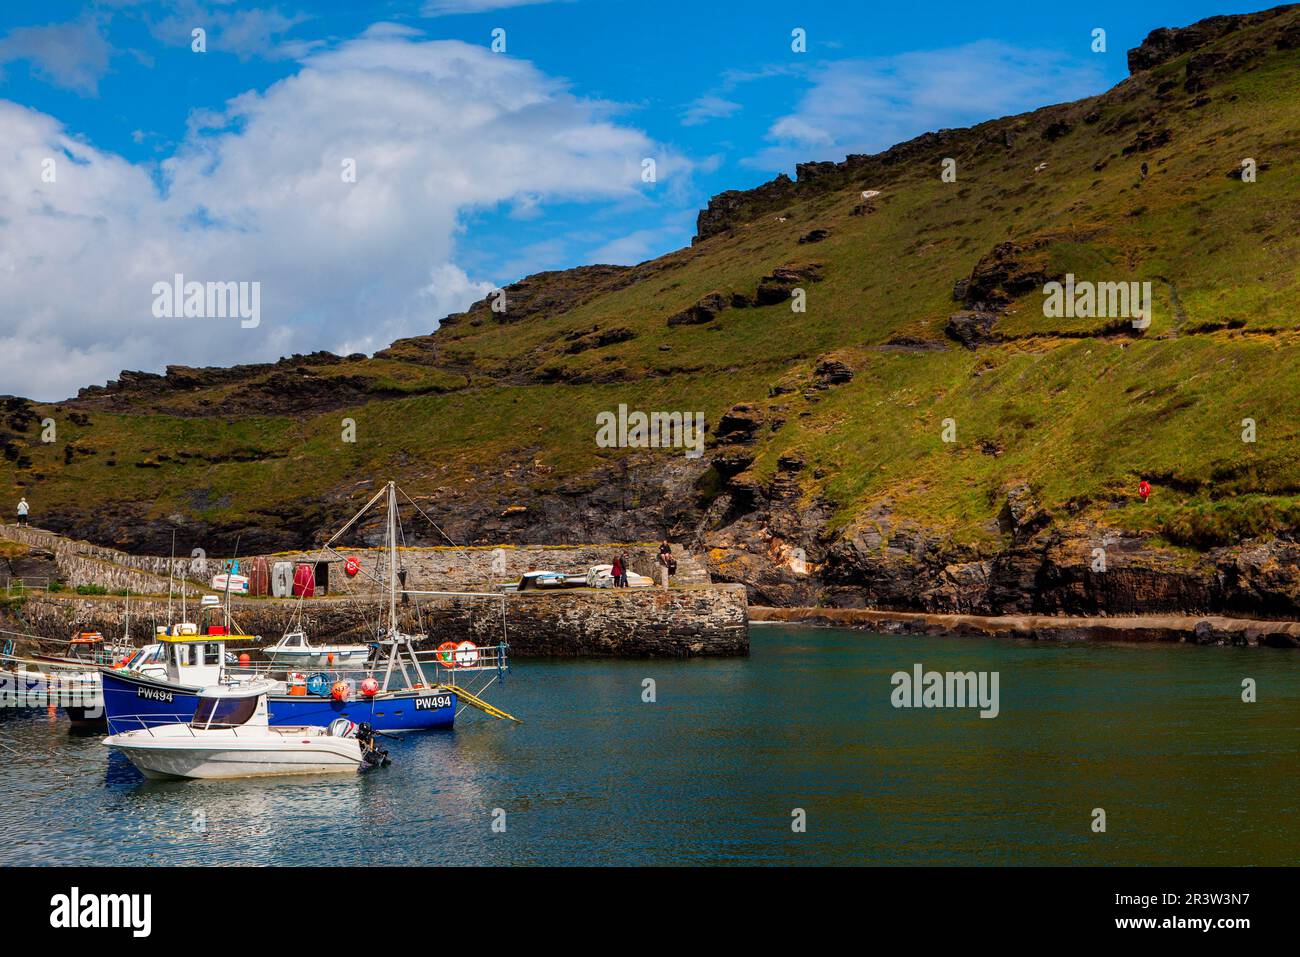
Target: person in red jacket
{"x":617,"y":573}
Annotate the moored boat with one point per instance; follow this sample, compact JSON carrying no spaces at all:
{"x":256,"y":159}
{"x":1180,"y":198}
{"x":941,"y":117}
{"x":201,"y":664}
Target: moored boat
{"x":229,"y":736}
{"x":296,"y":653}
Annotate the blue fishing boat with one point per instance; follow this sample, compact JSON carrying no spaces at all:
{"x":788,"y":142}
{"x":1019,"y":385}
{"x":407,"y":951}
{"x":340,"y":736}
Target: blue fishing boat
{"x":133,"y":700}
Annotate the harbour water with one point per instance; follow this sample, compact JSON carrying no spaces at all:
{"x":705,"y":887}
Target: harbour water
{"x":713,"y":770}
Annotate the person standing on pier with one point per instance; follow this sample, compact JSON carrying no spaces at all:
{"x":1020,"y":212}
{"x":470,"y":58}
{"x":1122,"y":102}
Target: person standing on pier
{"x":616,"y":571}
{"x":664,"y":560}
{"x":22,"y":511}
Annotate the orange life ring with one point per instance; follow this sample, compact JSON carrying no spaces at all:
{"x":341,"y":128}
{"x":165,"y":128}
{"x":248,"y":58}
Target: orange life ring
{"x":446,"y":654}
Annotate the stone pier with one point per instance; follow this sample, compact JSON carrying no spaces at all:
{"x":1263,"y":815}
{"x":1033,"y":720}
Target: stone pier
{"x":685,"y":621}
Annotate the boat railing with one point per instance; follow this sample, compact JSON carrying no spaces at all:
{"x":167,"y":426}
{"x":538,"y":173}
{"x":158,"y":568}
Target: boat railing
{"x":143,"y":720}
{"x":168,"y":720}
{"x":446,"y":662}
{"x":484,"y":658}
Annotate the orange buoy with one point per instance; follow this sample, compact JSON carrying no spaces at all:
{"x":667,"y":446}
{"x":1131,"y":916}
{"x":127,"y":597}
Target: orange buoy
{"x":369,"y":687}
{"x":339,"y":691}
{"x":447,"y":654}
{"x":244,"y":659}
{"x":352,"y":565}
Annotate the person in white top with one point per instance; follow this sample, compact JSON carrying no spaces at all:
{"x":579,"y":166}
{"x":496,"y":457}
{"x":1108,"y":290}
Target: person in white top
{"x":22,"y":511}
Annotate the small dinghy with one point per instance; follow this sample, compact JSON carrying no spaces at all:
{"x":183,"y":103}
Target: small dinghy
{"x":229,"y":581}
{"x":229,"y":737}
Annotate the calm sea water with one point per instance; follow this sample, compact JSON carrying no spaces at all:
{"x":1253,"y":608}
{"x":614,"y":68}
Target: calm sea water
{"x":710,"y":772}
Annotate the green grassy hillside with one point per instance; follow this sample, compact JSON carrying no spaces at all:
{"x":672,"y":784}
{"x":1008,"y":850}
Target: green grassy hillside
{"x":495,"y":410}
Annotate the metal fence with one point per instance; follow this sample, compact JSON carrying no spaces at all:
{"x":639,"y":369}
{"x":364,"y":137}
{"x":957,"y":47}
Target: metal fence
{"x":17,"y":587}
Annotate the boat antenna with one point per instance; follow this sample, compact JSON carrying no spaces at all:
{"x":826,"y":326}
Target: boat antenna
{"x":171,"y":575}
{"x":229,"y":572}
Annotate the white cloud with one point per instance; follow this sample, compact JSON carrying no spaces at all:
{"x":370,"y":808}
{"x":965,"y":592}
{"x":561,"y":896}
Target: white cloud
{"x":642,"y":244}
{"x":247,"y":33}
{"x":70,"y":55}
{"x":442,"y":8}
{"x":864,"y":106}
{"x":438,"y":129}
{"x":708,"y":107}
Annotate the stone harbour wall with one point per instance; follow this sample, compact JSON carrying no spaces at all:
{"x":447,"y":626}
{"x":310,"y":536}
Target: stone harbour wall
{"x":685,"y":621}
{"x":435,"y":568}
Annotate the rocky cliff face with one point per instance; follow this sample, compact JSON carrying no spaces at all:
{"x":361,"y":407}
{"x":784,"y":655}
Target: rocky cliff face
{"x":1165,"y":44}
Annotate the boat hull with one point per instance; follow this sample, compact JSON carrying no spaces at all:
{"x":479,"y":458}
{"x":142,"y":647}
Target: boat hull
{"x":317,"y":659}
{"x":133,"y":701}
{"x":278,"y":754}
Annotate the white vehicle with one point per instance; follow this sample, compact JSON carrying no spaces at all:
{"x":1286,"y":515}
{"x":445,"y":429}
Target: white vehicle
{"x":229,"y":737}
{"x":295,"y":653}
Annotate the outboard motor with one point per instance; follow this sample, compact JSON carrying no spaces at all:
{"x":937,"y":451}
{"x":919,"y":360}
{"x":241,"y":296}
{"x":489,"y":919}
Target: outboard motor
{"x":343,"y":728}
{"x":372,"y":755}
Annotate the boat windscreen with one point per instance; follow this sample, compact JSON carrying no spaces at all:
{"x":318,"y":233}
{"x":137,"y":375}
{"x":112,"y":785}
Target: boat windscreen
{"x":143,"y":657}
{"x":223,"y":712}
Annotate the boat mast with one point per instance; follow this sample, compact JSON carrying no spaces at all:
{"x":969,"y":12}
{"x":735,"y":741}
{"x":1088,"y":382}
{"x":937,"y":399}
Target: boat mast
{"x":171,"y":577}
{"x":396,"y":640}
{"x":392,"y":559}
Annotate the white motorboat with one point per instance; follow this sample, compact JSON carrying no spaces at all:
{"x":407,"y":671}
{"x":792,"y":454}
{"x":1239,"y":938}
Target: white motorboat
{"x":229,"y":737}
{"x":295,"y":653}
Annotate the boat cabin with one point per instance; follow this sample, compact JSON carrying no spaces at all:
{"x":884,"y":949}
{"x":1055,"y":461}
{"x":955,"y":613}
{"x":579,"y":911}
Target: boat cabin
{"x":193,"y":659}
{"x":195,"y":654}
{"x":294,"y":639}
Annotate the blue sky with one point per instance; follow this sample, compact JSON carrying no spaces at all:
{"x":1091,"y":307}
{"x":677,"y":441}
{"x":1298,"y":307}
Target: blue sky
{"x":477,"y":167}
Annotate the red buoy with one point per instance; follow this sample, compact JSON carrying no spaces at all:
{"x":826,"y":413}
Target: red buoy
{"x":244,"y":659}
{"x":352,"y":565}
{"x":369,"y":687}
{"x":339,"y":691}
{"x":1144,"y":489}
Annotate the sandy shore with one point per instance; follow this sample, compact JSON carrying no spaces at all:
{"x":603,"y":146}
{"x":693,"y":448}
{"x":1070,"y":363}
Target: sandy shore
{"x":1198,"y":629}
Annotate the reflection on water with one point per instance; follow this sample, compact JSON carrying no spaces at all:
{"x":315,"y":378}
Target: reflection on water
{"x":710,"y":772}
